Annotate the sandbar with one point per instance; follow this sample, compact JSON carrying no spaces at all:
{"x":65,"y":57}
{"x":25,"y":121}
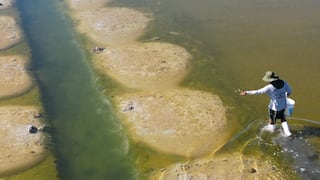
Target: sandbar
{"x":222,"y":167}
{"x":19,"y":148}
{"x":5,"y":4}
{"x":86,"y":4}
{"x":111,"y":26}
{"x":14,"y":77}
{"x":152,"y":65}
{"x":178,"y":121}
{"x":10,"y":32}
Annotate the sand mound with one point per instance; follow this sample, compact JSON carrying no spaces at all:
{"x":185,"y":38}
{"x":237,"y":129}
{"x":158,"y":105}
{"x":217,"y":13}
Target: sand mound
{"x":10,"y":32}
{"x":19,"y":149}
{"x":14,"y":77}
{"x":145,"y":65}
{"x":4,"y":4}
{"x":112,"y":26}
{"x":87,"y":4}
{"x":180,"y":121}
{"x":223,"y":167}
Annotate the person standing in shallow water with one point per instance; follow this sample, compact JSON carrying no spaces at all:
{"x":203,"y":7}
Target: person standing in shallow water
{"x":278,"y":90}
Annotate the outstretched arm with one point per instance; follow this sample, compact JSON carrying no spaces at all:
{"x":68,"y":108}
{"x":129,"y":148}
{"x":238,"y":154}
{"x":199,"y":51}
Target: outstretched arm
{"x":259,"y":91}
{"x":243,"y":93}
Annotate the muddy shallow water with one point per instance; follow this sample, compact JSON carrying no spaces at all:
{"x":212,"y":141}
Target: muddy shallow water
{"x":233,"y":43}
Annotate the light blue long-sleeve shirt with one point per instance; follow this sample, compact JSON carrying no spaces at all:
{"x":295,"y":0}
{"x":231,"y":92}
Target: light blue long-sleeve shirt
{"x":278,"y":97}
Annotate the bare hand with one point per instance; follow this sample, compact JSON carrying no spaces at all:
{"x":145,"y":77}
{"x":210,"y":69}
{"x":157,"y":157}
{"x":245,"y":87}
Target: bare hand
{"x":243,"y":93}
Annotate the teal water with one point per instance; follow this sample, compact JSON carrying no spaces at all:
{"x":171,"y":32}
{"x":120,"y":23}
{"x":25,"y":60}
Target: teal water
{"x":87,"y":140}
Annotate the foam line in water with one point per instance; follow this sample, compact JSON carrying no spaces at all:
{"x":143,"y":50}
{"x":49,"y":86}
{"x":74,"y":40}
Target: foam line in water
{"x":306,"y":120}
{"x":242,"y":131}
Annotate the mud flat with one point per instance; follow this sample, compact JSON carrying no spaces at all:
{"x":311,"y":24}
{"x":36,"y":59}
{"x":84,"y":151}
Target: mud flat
{"x":10,"y":32}
{"x":111,"y":26}
{"x":20,"y":149}
{"x":5,"y":4}
{"x":145,"y":65}
{"x":14,"y":76}
{"x":183,"y":122}
{"x":224,"y":167}
{"x":87,"y":4}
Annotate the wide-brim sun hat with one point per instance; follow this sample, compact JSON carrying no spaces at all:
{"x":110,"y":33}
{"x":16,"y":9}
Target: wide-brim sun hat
{"x":270,"y":76}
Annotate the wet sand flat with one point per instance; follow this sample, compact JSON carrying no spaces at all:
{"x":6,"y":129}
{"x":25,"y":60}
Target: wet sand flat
{"x":14,"y":76}
{"x":111,"y":26}
{"x":19,"y":148}
{"x":10,"y":32}
{"x":178,"y":121}
{"x":145,"y":65}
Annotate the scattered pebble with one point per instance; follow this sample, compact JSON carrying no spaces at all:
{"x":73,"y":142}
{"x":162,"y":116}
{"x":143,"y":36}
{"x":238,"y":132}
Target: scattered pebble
{"x":33,"y":130}
{"x":37,"y":115}
{"x":253,"y":170}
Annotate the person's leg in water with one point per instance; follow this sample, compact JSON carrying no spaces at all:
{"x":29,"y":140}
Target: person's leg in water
{"x":272,"y":121}
{"x":284,"y":123}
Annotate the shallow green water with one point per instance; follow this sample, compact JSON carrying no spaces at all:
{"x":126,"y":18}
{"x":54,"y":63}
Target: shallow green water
{"x":233,"y":44}
{"x":240,"y":40}
{"x":88,"y":141}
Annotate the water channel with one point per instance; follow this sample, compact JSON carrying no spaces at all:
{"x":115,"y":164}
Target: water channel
{"x":233,"y":42}
{"x":88,"y":141}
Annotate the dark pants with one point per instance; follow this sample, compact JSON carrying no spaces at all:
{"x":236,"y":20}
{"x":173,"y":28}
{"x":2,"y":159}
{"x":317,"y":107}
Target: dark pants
{"x":274,"y":115}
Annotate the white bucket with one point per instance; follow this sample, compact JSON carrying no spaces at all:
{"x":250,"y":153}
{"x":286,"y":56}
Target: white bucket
{"x":290,"y":106}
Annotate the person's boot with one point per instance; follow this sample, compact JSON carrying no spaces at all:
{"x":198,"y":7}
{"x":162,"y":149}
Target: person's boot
{"x":285,"y":128}
{"x":270,"y":128}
